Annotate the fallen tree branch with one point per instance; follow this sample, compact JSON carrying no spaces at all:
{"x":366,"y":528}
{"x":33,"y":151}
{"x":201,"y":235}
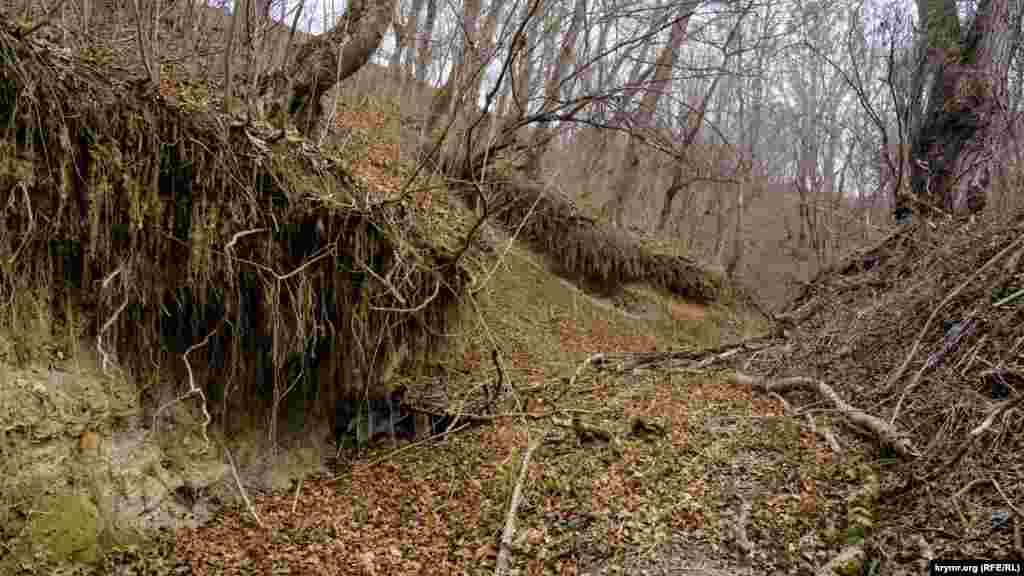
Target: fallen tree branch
{"x":505,"y":551}
{"x":398,"y":451}
{"x":700,"y":358}
{"x":826,"y":434}
{"x":599,"y":357}
{"x":849,"y":561}
{"x":882,"y":430}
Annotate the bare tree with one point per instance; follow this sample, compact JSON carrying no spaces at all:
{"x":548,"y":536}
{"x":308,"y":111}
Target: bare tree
{"x":552,"y":89}
{"x":662,"y":71}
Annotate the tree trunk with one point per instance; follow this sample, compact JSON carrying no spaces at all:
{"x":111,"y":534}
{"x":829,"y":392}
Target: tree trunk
{"x":319,"y":64}
{"x":559,"y":69}
{"x":953,"y":153}
{"x":626,"y":182}
{"x":695,"y":121}
{"x":444,"y":102}
{"x":411,"y":34}
{"x":423,"y":52}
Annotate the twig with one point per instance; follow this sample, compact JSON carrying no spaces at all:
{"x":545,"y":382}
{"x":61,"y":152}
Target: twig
{"x":703,"y":357}
{"x":971,"y":484}
{"x":579,"y":369}
{"x":508,"y":245}
{"x":998,"y":487}
{"x":485,"y":418}
{"x":45,"y":21}
{"x":476,"y":227}
{"x":849,"y":556}
{"x":1009,"y":298}
{"x":500,"y":385}
{"x":110,"y":321}
{"x":826,"y":434}
{"x":950,"y":344}
{"x":1020,"y":514}
{"x":1002,"y":407}
{"x":898,"y":374}
{"x":505,"y":550}
{"x":437,"y":290}
{"x":238,"y":236}
{"x":971,"y":438}
{"x":316,"y":258}
{"x":394,"y":291}
{"x":295,"y":501}
{"x":1018,"y":542}
{"x":31,"y":223}
{"x":716,"y":358}
{"x":598,"y":358}
{"x":99,"y":336}
{"x":398,"y":451}
{"x":147,"y":60}
{"x":241,"y":488}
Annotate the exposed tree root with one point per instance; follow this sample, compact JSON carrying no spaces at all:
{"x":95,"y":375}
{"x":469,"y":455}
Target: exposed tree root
{"x":849,"y":561}
{"x":880,"y":428}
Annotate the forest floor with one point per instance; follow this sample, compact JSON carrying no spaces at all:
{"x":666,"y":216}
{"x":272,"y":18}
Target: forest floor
{"x":652,"y":456}
{"x":638,"y":471}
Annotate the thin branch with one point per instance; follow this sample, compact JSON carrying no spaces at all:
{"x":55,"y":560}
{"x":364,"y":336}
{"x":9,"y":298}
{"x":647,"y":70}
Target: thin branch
{"x":437,"y":290}
{"x":898,"y":374}
{"x":295,"y":501}
{"x":505,"y":551}
{"x":241,"y":488}
{"x":45,"y":21}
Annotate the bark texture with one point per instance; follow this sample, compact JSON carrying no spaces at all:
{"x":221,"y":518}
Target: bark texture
{"x":966,"y":119}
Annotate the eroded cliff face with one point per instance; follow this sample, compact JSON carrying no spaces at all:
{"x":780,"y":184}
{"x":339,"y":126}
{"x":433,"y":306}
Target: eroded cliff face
{"x":79,"y":468}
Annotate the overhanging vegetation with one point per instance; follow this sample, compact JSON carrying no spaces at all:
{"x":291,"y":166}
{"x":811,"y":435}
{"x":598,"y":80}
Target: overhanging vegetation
{"x":159,"y":230}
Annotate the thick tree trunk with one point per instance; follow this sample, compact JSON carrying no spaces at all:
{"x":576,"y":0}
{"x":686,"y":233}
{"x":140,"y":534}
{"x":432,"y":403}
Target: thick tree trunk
{"x":319,"y":64}
{"x":953,"y":153}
